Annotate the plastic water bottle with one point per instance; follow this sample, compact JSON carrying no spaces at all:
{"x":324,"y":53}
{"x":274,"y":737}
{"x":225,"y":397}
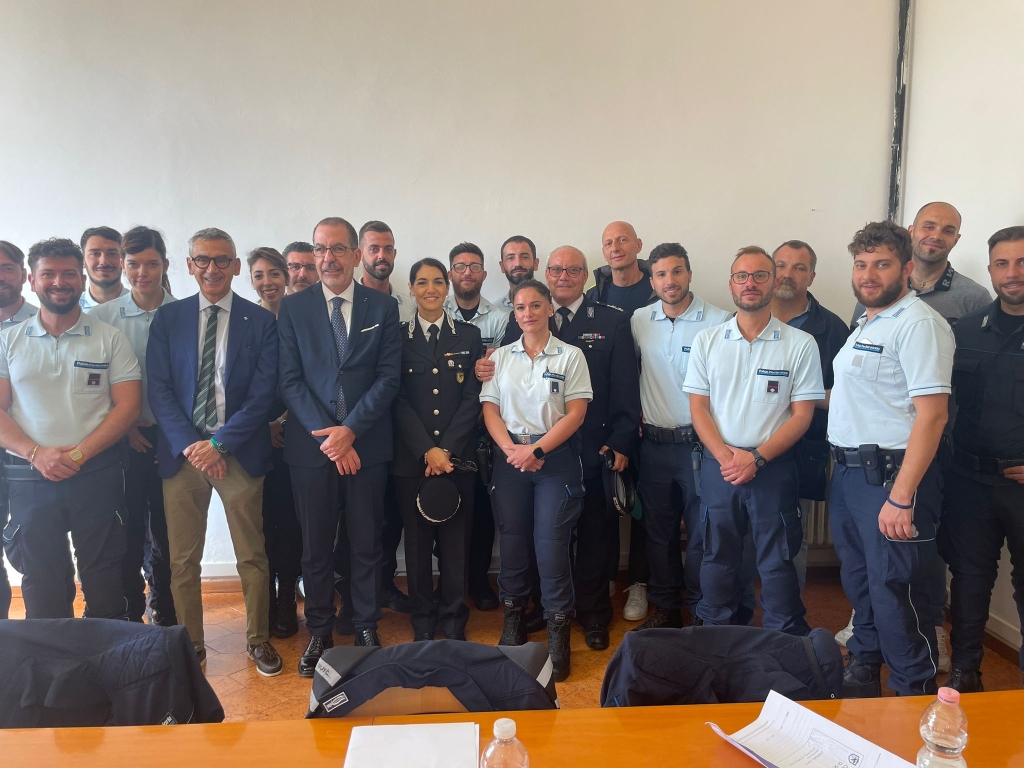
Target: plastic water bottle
{"x":944,"y":730}
{"x":505,"y":750}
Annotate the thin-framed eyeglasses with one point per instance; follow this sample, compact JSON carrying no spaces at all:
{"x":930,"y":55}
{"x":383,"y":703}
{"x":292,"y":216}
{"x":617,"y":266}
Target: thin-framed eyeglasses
{"x":222,"y":262}
{"x":761,"y":276}
{"x":300,"y":267}
{"x":338,"y":249}
{"x":474,"y":268}
{"x":574,"y":272}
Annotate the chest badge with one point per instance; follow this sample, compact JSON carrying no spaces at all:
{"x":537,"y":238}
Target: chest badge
{"x":773,"y":387}
{"x":94,"y":380}
{"x":460,"y":377}
{"x":451,"y":363}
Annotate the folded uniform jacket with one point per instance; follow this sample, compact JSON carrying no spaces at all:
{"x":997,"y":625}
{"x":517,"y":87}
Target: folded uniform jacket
{"x":721,"y":664}
{"x":86,"y":672}
{"x":471,"y":676}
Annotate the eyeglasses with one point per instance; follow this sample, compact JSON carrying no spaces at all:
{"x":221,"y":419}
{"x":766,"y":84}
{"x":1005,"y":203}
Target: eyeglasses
{"x":474,"y":268}
{"x":301,"y":267}
{"x":574,"y":272}
{"x":222,"y":262}
{"x":338,"y":249}
{"x":760,"y":276}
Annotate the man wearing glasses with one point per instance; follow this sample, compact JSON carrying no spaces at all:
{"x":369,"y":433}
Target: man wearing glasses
{"x":753,"y":384}
{"x":212,"y":367}
{"x":340,"y":357}
{"x":301,"y":267}
{"x":602,"y":333}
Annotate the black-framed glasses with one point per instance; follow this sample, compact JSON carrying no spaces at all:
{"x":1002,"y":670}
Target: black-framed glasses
{"x":761,"y":276}
{"x":574,"y":272}
{"x":222,"y":262}
{"x":301,"y":267}
{"x":474,"y":268}
{"x":338,"y":249}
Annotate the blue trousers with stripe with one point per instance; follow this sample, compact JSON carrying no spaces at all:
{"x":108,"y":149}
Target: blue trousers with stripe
{"x":887,"y":581}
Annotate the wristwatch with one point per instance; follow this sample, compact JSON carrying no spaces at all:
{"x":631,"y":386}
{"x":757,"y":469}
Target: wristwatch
{"x":76,"y":456}
{"x":759,"y":460}
{"x":538,"y":452}
{"x":219,"y":446}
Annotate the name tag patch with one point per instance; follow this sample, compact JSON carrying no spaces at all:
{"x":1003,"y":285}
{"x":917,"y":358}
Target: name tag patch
{"x":333,"y":703}
{"x":555,"y":376}
{"x":92,"y":366}
{"x":867,"y":346}
{"x":773,"y":372}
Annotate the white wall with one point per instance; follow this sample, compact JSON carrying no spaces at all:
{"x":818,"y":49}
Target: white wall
{"x":715,"y":124}
{"x":964,"y":145}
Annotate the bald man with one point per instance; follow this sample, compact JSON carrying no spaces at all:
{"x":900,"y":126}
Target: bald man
{"x":934,"y":233}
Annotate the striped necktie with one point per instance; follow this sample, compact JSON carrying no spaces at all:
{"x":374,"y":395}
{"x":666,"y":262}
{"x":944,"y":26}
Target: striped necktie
{"x":204,"y":413}
{"x":341,"y":340}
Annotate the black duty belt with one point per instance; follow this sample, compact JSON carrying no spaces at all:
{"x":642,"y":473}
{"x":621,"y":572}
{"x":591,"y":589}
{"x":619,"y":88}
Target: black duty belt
{"x":665,"y":436}
{"x":17,"y":468}
{"x":985,"y":465}
{"x":525,"y":439}
{"x":851,"y":457}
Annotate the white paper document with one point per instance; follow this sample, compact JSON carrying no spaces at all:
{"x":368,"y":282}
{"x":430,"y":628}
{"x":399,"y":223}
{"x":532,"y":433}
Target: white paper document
{"x":438,"y":745}
{"x":787,"y":735}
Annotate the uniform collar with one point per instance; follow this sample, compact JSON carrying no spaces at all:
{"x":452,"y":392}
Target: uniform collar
{"x":25,"y":311}
{"x":224,"y":303}
{"x":128,"y":308}
{"x":451,"y":307}
{"x":573,"y":308}
{"x":553,"y":347}
{"x":88,"y":302}
{"x":895,"y":310}
{"x":693,"y":314}
{"x":444,"y":319}
{"x":771,"y":332}
{"x":34,"y":326}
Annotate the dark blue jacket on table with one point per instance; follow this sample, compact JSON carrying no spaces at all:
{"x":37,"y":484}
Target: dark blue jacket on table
{"x":250,"y":382}
{"x":311,"y":373}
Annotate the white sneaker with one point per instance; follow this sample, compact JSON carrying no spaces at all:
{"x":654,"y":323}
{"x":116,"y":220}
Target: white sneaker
{"x":940,"y":637}
{"x":843,"y":635}
{"x":636,"y":603}
{"x":611,"y":589}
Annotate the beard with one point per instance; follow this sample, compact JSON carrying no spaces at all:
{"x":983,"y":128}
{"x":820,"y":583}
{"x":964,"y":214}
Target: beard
{"x":888,"y":295}
{"x":466,"y":294}
{"x":59,"y":308}
{"x":785,"y":290}
{"x":922,"y":254}
{"x":760,"y":304}
{"x":1013,"y":301}
{"x":8,"y":294}
{"x":521,"y":277}
{"x":109,"y":282}
{"x":379,"y":270}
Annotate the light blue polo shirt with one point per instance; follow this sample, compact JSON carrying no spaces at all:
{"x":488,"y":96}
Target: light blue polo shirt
{"x":406,"y":303}
{"x":664,"y":346}
{"x":751,"y":384}
{"x":23,"y":314}
{"x":125,"y":315}
{"x":531,"y":394}
{"x":87,"y":302}
{"x":60,"y":387}
{"x":488,"y":318}
{"x":904,"y":351}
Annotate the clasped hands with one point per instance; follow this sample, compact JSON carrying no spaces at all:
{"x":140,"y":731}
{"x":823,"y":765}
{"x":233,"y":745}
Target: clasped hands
{"x":737,"y":466}
{"x":338,"y":448}
{"x":204,"y":457}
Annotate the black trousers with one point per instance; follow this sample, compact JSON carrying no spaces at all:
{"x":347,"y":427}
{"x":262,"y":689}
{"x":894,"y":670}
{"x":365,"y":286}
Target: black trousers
{"x":391,"y":533}
{"x":977,"y":518}
{"x":91,"y":507}
{"x":280,"y":524}
{"x":317,"y":491}
{"x":595,"y":538}
{"x":452,"y":537}
{"x":146,"y":550}
{"x":481,"y":543}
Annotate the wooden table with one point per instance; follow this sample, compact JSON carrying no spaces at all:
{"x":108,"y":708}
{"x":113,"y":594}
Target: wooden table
{"x":647,"y":736}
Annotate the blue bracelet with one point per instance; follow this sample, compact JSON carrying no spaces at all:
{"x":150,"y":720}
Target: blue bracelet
{"x":898,"y":506}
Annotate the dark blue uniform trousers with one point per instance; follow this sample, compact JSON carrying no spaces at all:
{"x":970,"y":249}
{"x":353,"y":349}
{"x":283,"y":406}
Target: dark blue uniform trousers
{"x":768,"y":506}
{"x":540,"y":508}
{"x":90,"y":505}
{"x":976,"y":520}
{"x":668,"y":491}
{"x":887,"y":581}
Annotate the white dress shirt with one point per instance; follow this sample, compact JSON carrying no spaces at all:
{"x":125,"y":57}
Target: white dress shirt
{"x":573,"y":309}
{"x":346,"y":305}
{"x":221,"y":355}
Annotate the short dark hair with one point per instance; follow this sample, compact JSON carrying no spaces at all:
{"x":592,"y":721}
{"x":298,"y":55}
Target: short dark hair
{"x":536,"y":285}
{"x":877,"y":234}
{"x":12,"y":252}
{"x":799,"y":245}
{"x":107,"y":233}
{"x":211,"y":233}
{"x":139,"y":239}
{"x":374,"y":226}
{"x":667,"y":250}
{"x":299,"y":246}
{"x":337,"y":221}
{"x":518,"y":239}
{"x":54,"y":248}
{"x":268,"y":253}
{"x":427,"y":262}
{"x":1006,"y":235}
{"x":462,"y":248}
{"x":752,"y":249}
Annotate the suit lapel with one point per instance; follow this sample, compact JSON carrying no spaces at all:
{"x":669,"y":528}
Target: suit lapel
{"x":359,"y":302}
{"x":190,"y":328}
{"x":419,"y":343}
{"x":320,"y":321}
{"x":574,"y":327}
{"x":238,"y":330}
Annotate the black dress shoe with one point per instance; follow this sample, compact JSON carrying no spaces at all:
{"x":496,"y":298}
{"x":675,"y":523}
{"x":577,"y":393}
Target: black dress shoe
{"x":368,"y":637}
{"x":596,"y":637}
{"x":662,"y":619}
{"x":533,"y":621}
{"x":456,"y":636}
{"x":965,"y":680}
{"x":485,"y":601}
{"x":423,"y":637}
{"x":393,"y":598}
{"x":861,"y":680}
{"x":315,"y":649}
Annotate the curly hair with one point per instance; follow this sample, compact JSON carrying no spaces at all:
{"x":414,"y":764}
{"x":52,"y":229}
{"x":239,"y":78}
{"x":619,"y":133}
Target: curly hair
{"x":878,"y":234}
{"x":54,"y":248}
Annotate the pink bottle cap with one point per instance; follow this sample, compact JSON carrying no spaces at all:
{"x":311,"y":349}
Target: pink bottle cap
{"x":949,"y":695}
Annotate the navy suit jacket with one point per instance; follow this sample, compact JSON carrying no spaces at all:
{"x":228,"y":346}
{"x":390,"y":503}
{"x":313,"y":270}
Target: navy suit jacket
{"x":250,"y":382}
{"x":311,"y":373}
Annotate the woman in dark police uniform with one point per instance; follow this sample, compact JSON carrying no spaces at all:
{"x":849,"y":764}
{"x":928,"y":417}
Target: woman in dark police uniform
{"x":436,"y":416}
{"x":533,"y":407}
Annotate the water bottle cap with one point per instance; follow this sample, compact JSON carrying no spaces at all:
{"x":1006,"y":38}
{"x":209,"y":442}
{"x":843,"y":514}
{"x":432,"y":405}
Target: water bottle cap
{"x":504,"y":728}
{"x":949,"y":695}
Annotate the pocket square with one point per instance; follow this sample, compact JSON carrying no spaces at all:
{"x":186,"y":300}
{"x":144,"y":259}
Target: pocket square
{"x":375,"y":325}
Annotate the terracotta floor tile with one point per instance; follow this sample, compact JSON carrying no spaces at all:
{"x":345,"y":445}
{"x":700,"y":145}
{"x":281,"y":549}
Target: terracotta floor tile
{"x":213,"y":631}
{"x":247,"y":705}
{"x":223,"y":685}
{"x":226,"y":663}
{"x":233,"y":642}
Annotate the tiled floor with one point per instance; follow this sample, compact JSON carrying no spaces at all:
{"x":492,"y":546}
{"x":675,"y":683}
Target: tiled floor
{"x":247,"y":696}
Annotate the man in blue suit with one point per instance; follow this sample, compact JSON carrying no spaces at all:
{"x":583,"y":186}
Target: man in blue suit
{"x":340,"y":355}
{"x":212,"y":362}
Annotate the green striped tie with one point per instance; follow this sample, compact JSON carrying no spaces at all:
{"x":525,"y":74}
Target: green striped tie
{"x":204,"y":414}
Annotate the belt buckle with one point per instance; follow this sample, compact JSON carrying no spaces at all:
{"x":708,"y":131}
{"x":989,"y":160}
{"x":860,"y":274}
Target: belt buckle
{"x":523,"y":439}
